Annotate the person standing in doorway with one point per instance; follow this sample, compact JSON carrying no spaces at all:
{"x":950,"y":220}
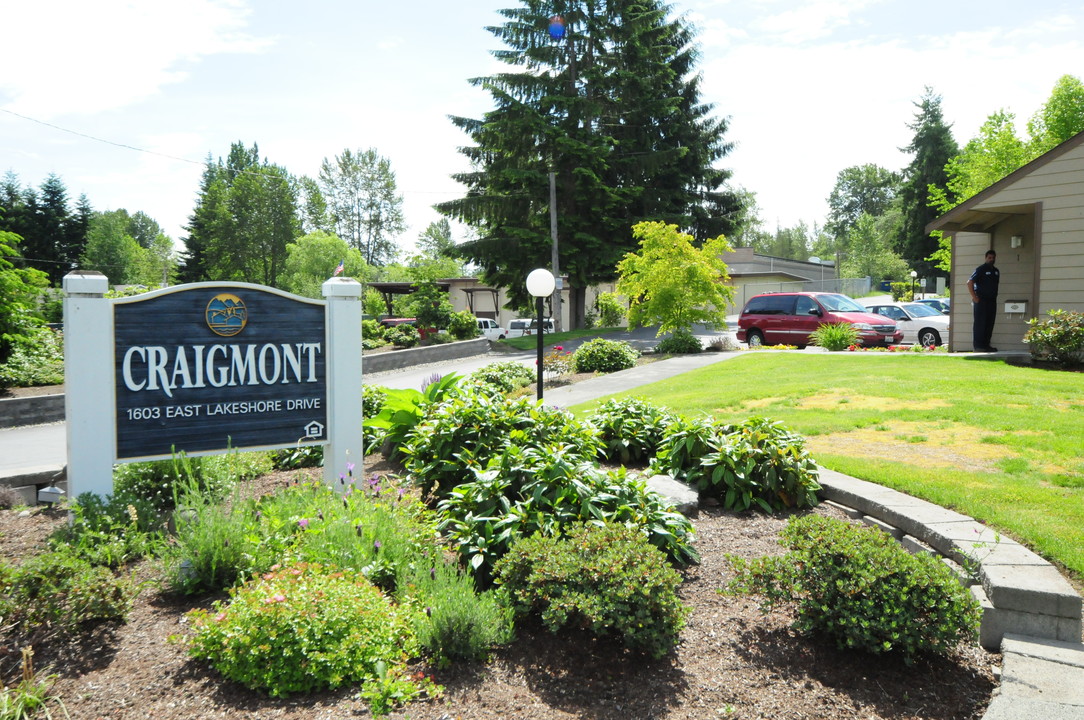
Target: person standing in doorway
{"x":983,"y":288}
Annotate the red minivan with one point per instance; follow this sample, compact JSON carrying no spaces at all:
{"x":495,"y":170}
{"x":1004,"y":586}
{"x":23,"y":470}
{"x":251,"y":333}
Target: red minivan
{"x":788,"y":318}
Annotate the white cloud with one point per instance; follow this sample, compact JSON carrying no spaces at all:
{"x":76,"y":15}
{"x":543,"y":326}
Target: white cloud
{"x":82,"y":57}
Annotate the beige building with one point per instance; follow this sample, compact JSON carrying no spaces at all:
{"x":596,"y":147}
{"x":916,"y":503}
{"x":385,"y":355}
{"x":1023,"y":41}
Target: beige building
{"x":1034,"y":220}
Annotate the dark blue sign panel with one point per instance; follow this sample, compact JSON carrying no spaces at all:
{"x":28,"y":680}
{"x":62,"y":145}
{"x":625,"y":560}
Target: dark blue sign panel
{"x":208,"y":368}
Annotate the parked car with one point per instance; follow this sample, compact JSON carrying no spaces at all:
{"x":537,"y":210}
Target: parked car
{"x":491,"y":329}
{"x":789,"y":318}
{"x":921,"y":324}
{"x":941,"y":305}
{"x":526,"y":326}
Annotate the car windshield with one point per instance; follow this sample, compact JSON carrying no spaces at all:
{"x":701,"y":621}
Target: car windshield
{"x":840,"y":303}
{"x":920,"y":310}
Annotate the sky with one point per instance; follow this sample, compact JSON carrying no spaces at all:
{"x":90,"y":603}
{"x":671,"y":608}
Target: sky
{"x":126,"y":99}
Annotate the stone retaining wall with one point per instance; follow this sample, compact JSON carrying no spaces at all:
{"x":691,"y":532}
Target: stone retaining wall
{"x":31,"y":410}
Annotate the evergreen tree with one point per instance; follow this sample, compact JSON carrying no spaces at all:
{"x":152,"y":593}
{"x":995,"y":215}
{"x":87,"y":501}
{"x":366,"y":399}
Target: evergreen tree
{"x":932,"y":146}
{"x":613,"y":109}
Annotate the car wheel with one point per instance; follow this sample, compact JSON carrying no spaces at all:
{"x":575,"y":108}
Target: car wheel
{"x":929,"y":336}
{"x":500,"y":337}
{"x":754,"y":338}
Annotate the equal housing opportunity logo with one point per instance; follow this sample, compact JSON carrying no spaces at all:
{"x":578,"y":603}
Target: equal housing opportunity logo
{"x":205,"y":369}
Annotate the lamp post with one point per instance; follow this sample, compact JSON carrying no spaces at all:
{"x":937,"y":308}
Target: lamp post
{"x":914,"y":274}
{"x":540,"y":284}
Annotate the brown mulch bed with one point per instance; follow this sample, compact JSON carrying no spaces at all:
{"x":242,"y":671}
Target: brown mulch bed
{"x":733,"y":661}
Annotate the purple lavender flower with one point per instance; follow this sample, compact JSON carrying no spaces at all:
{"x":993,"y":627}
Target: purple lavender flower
{"x":303,"y":523}
{"x":435,"y":377}
{"x":377,"y":545}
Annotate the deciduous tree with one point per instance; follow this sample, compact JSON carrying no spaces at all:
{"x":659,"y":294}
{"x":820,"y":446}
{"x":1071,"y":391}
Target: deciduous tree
{"x":364,"y":203}
{"x":672,"y":282}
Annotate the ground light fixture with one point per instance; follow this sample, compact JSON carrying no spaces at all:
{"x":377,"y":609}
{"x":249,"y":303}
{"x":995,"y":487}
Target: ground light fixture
{"x":540,"y":284}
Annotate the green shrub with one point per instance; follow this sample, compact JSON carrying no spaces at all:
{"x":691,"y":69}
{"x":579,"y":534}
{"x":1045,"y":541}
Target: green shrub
{"x":63,"y":592}
{"x":37,"y":358}
{"x":302,"y":456}
{"x":679,"y":342}
{"x":610,"y":310}
{"x":758,"y":462}
{"x":302,"y":628}
{"x":157,"y":481}
{"x":403,"y":336}
{"x":631,"y":430}
{"x":404,"y":408}
{"x":861,"y":588}
{"x":372,"y":329}
{"x":464,"y":431}
{"x":463,"y":325}
{"x":605,"y":579}
{"x":111,"y":531}
{"x":373,"y":398}
{"x":1059,"y":339}
{"x":604,"y":356}
{"x":506,"y":375}
{"x":834,"y":336}
{"x":546,"y":490}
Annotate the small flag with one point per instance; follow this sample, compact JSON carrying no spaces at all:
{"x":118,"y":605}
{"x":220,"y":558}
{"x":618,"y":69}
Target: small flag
{"x":339,"y":270}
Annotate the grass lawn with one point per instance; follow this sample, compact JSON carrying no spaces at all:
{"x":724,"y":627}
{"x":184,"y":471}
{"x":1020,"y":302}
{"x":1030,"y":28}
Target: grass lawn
{"x":1000,"y":443}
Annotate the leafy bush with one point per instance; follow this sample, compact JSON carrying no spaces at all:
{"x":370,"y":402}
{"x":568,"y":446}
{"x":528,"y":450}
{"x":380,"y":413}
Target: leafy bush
{"x":404,"y":408}
{"x":372,"y":329}
{"x":546,"y":490}
{"x":611,"y":312}
{"x":301,"y":628}
{"x":463,"y":325}
{"x":834,"y":336}
{"x":679,"y":342}
{"x":631,"y":430}
{"x":464,"y":431}
{"x":63,"y":592}
{"x":403,"y":336}
{"x":861,"y":588}
{"x":438,"y":338}
{"x":301,"y":456}
{"x":757,"y":462}
{"x":37,"y":358}
{"x":158,"y":480}
{"x":604,"y":356}
{"x":1059,"y":339}
{"x":606,"y":579}
{"x":506,"y":375}
{"x":109,"y":532}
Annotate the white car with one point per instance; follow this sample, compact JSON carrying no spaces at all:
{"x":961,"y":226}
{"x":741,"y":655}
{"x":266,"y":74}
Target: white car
{"x":491,"y":329}
{"x":526,"y":326}
{"x":921,"y":324}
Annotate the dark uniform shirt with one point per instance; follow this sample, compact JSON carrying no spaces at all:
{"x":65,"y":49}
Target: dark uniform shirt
{"x":986,"y":278}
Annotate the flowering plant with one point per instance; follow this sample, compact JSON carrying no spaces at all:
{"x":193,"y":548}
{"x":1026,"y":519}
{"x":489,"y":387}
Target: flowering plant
{"x":557,"y":361}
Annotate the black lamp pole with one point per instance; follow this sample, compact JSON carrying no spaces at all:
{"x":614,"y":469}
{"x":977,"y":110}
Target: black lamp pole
{"x":538,"y":309}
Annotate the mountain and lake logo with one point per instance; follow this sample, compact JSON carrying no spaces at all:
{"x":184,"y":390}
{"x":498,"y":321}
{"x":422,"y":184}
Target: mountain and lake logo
{"x":226,"y":314}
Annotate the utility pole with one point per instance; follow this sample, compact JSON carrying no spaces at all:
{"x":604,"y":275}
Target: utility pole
{"x":558,"y":286}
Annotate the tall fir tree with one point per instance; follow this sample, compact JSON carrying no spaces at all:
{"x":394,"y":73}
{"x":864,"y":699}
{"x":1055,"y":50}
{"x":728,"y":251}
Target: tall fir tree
{"x":932,"y":146}
{"x":613,"y":110}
